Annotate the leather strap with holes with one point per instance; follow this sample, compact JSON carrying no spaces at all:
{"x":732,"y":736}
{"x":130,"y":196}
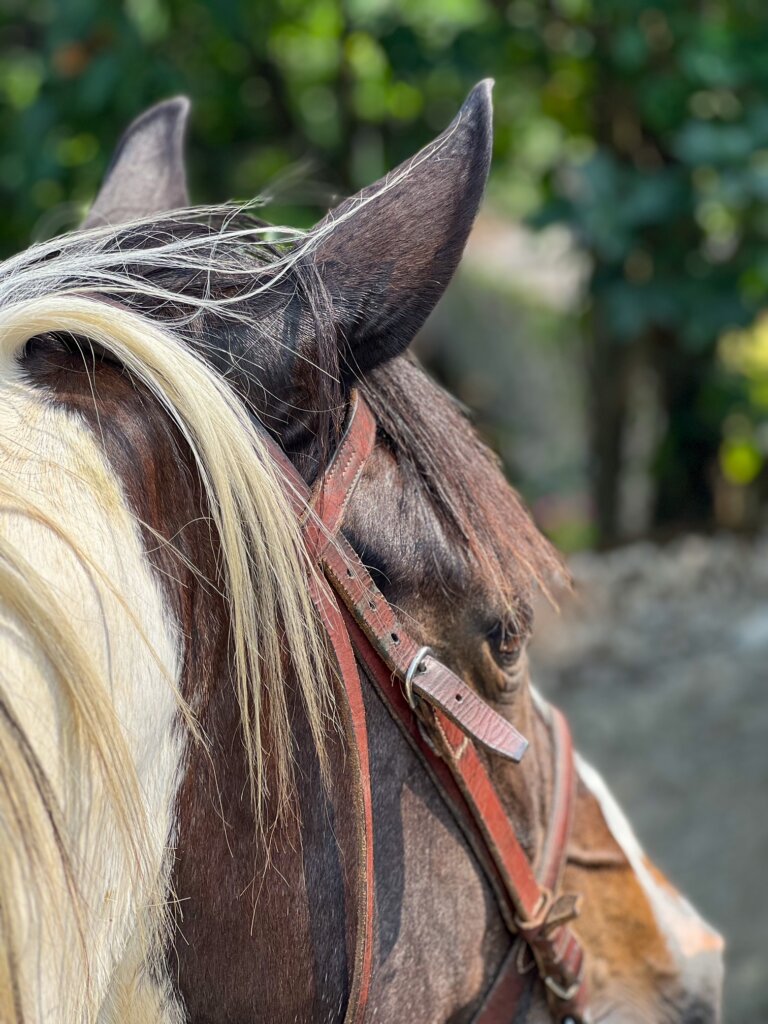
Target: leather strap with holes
{"x":443,"y":719}
{"x":513,"y":980}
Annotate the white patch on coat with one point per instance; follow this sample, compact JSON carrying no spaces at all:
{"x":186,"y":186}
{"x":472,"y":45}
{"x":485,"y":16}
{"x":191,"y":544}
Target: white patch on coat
{"x":54,"y":459}
{"x":687,"y":935}
{"x":681,"y":924}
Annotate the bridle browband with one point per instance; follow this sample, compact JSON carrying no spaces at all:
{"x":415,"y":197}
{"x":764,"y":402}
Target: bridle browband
{"x":443,"y":720}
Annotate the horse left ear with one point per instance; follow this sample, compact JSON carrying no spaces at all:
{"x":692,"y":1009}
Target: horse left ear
{"x":147,"y":173}
{"x":387,"y":254}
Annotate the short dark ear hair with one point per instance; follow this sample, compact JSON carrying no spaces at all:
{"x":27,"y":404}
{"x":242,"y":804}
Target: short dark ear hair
{"x":387,"y":254}
{"x":146,"y":175}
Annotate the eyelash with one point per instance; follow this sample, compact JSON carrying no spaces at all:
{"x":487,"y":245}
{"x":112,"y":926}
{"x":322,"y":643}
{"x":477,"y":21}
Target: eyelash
{"x":507,"y":642}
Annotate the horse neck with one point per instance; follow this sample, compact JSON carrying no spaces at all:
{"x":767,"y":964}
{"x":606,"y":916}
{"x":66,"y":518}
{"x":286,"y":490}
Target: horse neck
{"x":261,"y":916}
{"x":268,"y":924}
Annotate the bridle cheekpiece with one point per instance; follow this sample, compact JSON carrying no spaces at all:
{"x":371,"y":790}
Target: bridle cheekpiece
{"x":444,"y":720}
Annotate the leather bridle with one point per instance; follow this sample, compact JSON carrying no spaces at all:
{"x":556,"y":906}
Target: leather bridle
{"x":444,"y":721}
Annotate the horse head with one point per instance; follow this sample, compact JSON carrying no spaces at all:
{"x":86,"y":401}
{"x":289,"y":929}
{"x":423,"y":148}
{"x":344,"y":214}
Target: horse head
{"x":176,"y":828}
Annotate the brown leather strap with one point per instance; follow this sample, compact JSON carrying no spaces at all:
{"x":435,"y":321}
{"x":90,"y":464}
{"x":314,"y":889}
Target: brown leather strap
{"x":349,"y":691}
{"x":462,"y":779}
{"x":435,"y":683}
{"x":513,"y":977}
{"x":552,"y":859}
{"x":441,"y":715}
{"x":352,"y":707}
{"x":511,"y":985}
{"x":329,"y":499}
{"x":431,"y":681}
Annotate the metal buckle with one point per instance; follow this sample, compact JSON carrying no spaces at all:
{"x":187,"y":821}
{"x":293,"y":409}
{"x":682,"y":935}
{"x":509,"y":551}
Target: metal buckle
{"x":540,"y":914}
{"x":566,"y":994}
{"x":415,"y":666}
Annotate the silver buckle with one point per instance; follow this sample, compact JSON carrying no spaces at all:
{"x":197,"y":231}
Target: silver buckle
{"x":566,"y":994}
{"x":417,"y":665}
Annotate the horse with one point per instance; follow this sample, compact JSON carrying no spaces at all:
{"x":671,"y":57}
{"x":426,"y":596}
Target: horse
{"x":179,"y":786}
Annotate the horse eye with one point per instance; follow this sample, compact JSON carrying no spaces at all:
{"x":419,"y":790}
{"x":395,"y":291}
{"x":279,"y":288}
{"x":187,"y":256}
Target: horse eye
{"x":507,"y":639}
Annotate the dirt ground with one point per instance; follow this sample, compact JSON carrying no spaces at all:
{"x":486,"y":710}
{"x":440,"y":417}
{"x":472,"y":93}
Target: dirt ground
{"x":661,"y":662}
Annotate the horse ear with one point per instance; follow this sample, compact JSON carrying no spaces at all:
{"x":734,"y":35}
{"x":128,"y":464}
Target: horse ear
{"x":146,"y":174}
{"x":387,"y":254}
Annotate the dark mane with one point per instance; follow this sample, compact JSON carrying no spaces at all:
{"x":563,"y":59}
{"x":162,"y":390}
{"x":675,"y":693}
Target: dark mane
{"x":444,"y":459}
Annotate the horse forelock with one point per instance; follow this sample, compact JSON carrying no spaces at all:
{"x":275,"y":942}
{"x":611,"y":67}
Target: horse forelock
{"x":462,"y":484}
{"x":228,"y":283}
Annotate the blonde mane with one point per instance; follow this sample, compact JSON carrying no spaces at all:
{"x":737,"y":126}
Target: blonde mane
{"x":263,"y":569}
{"x":96,"y":285}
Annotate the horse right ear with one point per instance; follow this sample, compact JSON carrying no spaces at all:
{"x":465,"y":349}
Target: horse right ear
{"x":387,"y":254}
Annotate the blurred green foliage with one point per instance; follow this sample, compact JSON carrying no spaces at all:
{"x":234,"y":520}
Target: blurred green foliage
{"x":351,"y":88}
{"x":642,"y":126}
{"x":669,"y":196}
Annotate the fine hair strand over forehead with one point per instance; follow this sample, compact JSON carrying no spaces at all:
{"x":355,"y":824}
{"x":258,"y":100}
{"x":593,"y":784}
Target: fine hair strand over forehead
{"x":462,"y":482}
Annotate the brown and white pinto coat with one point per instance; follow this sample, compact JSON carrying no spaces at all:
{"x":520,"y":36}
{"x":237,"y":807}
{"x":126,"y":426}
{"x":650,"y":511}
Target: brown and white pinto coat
{"x":262,"y":921}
